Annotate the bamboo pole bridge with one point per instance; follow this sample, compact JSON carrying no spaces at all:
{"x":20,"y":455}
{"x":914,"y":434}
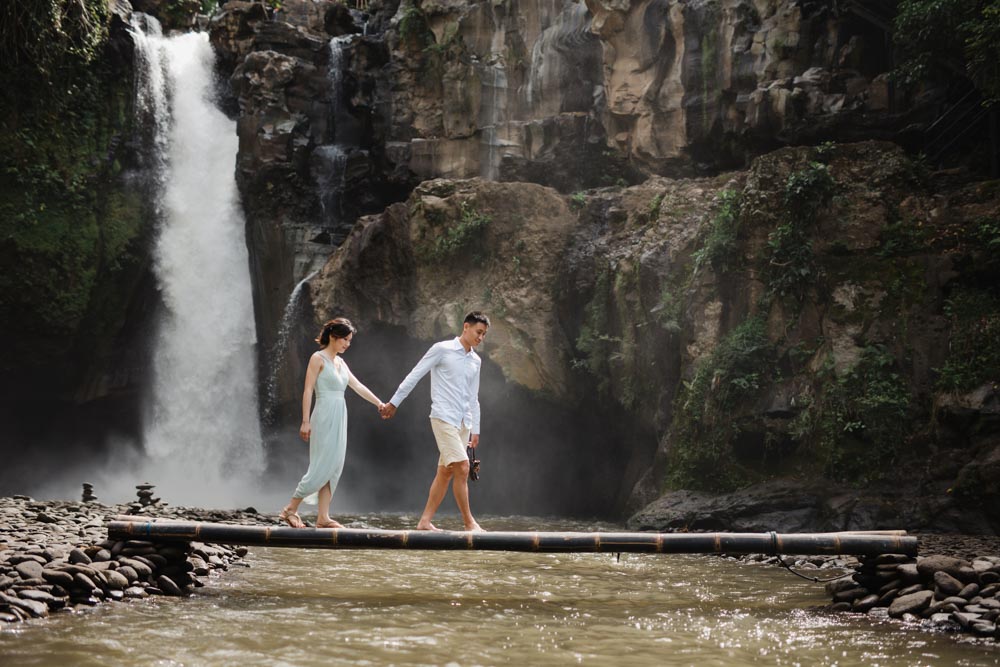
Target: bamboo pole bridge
{"x":854,"y":543}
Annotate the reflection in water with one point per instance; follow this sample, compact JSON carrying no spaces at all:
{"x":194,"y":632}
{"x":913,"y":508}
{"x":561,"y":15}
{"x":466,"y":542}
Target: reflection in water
{"x":316,"y":607}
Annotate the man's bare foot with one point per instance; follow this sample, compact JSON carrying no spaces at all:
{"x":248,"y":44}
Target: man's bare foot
{"x":428,"y":526}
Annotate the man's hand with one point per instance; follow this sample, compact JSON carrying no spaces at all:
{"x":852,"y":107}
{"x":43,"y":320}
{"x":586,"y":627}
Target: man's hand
{"x":474,"y":442}
{"x":387,"y":411}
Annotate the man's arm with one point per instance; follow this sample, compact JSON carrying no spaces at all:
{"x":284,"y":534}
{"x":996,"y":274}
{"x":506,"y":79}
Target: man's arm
{"x":420,"y":370}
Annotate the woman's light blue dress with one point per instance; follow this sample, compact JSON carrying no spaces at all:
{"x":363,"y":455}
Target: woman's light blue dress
{"x":328,"y":439}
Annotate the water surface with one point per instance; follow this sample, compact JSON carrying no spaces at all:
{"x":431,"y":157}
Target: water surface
{"x":322,"y":607}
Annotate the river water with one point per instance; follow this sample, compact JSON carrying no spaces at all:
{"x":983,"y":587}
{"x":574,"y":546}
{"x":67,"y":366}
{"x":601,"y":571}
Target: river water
{"x":321,"y":607}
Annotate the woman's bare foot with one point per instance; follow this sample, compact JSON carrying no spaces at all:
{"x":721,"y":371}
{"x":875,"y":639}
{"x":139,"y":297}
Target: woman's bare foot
{"x":475,"y":528}
{"x":328,"y":523}
{"x":428,"y":526}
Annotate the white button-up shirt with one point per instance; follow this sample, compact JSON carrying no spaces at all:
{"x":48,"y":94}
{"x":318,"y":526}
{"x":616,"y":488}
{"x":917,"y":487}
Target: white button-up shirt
{"x":454,"y":383}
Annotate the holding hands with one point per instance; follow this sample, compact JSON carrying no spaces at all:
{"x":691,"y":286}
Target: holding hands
{"x":387,"y":410}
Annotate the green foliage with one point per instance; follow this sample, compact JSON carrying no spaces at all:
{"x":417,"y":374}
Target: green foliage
{"x":974,"y":344}
{"x":719,"y":248}
{"x":704,"y":426}
{"x":936,"y":38}
{"x":41,"y":36}
{"x":593,"y":341}
{"x":790,"y":265}
{"x":669,"y":311}
{"x":68,"y":225}
{"x":578,"y":200}
{"x":903,"y":238}
{"x":859,"y":420}
{"x":653,"y":210}
{"x":465,"y":237}
{"x":414,"y":30}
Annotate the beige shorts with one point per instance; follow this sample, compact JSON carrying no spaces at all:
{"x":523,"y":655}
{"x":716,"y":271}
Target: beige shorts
{"x":451,"y":442}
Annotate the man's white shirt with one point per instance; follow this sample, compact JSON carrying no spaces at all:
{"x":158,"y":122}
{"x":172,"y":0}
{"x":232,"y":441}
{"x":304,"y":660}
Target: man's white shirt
{"x":454,"y":383}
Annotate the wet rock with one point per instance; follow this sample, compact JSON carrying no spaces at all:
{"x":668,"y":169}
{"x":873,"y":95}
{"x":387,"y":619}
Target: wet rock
{"x":33,"y":608}
{"x":956,"y":567}
{"x":865,"y":603}
{"x":48,"y":599}
{"x":913,"y":603}
{"x":29,"y":569}
{"x":79,"y":557}
{"x":969,"y":592}
{"x":167,"y":585}
{"x":964,"y":619}
{"x":946,"y":585}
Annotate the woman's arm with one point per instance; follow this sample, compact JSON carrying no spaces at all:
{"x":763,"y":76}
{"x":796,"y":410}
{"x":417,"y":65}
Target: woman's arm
{"x":312,"y":372}
{"x":362,"y":391}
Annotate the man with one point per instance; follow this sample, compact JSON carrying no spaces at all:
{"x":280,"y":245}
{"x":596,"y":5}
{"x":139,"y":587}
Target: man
{"x":454,"y":367}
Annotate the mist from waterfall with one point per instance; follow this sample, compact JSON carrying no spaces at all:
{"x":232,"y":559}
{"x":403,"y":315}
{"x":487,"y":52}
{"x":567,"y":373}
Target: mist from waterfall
{"x":201,"y":439}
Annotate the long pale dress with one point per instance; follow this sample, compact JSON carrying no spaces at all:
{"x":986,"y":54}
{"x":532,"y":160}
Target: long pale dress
{"x":328,"y":439}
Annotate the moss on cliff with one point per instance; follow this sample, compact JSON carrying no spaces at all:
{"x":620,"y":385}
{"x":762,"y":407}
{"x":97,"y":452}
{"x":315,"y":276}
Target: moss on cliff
{"x":69,"y":223}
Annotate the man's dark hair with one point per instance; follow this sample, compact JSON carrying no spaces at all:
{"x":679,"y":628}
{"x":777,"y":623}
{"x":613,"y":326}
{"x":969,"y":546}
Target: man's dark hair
{"x":477,"y":317}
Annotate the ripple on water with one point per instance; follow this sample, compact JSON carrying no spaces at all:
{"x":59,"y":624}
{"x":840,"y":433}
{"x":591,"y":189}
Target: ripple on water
{"x":316,"y":607}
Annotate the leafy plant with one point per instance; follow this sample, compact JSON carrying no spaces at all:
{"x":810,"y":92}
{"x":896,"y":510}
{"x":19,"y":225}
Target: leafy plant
{"x":464,"y":237}
{"x":974,"y":343}
{"x":719,"y":249}
{"x":704,"y":426}
{"x":859,"y":420}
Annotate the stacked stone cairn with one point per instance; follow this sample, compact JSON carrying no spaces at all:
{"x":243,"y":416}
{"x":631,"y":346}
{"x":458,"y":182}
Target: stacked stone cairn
{"x":55,"y":557}
{"x":941,"y":592}
{"x":88,"y":493}
{"x":145,"y":494}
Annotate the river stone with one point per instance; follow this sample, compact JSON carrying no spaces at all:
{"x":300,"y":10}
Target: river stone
{"x":85,"y":584}
{"x":29,"y":569}
{"x":128,"y":572}
{"x":910,"y":604}
{"x":839,"y":606}
{"x":41,"y":596}
{"x":101,"y":556}
{"x":850,"y":594}
{"x":172,"y":552}
{"x":964,"y":619}
{"x":167,"y":585}
{"x":892,"y":558}
{"x":989,"y":578}
{"x":34,"y":609}
{"x":116,"y":580}
{"x":5,"y":582}
{"x":887,"y":598}
{"x":893,"y":585}
{"x":984,"y":629}
{"x":969,"y":592}
{"x":908,"y":573}
{"x":942,"y":620}
{"x":155,"y":560}
{"x":865,"y":603}
{"x":141,"y":569}
{"x":24,"y":558}
{"x":911,"y":589}
{"x":975,"y":609}
{"x":136,"y":592}
{"x":955,"y":600}
{"x":78,"y":557}
{"x":990,"y":590}
{"x":8,"y":617}
{"x":946,"y":585}
{"x":989,"y":603}
{"x":956,"y":567}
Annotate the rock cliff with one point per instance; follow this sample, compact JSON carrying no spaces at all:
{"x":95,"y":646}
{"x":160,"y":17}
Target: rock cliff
{"x":819,"y":321}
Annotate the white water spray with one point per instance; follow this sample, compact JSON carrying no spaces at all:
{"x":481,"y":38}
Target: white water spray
{"x":202,"y":435}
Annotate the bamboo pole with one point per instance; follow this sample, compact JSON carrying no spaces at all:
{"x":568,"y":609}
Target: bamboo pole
{"x":142,"y":528}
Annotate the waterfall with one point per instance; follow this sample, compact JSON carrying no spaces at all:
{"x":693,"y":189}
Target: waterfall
{"x":279,"y":352}
{"x":202,"y":437}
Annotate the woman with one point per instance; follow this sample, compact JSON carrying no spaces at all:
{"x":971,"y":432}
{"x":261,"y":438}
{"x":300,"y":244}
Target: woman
{"x":328,"y":376}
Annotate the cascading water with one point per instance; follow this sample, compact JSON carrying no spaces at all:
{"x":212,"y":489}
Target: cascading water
{"x":202,"y":436}
{"x":280,"y":352}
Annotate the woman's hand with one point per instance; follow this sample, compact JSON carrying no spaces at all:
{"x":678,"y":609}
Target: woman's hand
{"x":305,"y":430}
{"x":381,"y":406}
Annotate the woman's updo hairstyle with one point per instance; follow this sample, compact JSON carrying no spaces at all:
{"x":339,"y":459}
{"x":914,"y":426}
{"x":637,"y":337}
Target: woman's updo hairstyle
{"x":339,"y":327}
